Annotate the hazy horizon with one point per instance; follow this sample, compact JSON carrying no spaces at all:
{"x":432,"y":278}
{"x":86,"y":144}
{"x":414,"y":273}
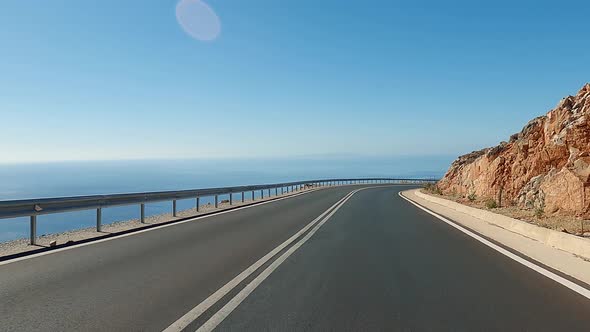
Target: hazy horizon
{"x":70,"y":178}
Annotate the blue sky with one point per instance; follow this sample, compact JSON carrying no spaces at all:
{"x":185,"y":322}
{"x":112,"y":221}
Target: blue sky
{"x":122,"y":80}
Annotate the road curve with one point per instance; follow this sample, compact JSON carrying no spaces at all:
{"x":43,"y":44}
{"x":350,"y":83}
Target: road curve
{"x":381,"y":264}
{"x":146,"y":281}
{"x":378,"y":263}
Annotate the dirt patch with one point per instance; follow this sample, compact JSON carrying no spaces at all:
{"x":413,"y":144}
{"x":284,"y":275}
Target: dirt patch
{"x":573,"y":225}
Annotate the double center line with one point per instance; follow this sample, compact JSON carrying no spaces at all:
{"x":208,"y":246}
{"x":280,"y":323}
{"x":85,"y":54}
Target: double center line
{"x":303,"y":235}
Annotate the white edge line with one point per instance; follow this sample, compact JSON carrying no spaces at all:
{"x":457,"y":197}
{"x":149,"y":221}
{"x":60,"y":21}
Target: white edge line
{"x":565,"y":282}
{"x":194,"y":313}
{"x":227,"y":309}
{"x":14,"y":260}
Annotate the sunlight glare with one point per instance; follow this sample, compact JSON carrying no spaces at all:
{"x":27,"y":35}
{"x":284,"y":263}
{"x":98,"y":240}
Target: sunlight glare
{"x":198,"y":19}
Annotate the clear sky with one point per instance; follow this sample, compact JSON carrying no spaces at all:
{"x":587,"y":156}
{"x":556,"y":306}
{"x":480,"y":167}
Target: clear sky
{"x":116,"y":79}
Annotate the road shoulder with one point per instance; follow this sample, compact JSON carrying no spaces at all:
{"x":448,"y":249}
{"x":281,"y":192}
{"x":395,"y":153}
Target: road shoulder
{"x":21,"y":249}
{"x":564,"y":262}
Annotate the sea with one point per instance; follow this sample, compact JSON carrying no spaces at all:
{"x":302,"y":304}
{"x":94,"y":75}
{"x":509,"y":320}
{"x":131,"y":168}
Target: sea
{"x":63,"y":179}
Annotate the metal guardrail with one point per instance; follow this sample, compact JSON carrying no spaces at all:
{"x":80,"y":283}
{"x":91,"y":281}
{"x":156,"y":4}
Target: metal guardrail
{"x":35,"y":207}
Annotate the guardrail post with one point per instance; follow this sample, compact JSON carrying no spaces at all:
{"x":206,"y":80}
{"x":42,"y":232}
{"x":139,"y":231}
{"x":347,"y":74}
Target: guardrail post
{"x":261,"y":193}
{"x":174,"y":208}
{"x":33,"y":230}
{"x":253,"y":195}
{"x":268,"y":192}
{"x":197,"y":203}
{"x":216,"y":201}
{"x":276,"y":191}
{"x":99,"y":219}
{"x":242,"y":197}
{"x":282,"y":190}
{"x":142,"y":214}
{"x":231,"y":199}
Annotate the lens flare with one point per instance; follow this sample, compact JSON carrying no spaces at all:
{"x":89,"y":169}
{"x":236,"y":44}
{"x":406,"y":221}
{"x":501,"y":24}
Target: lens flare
{"x":198,"y":20}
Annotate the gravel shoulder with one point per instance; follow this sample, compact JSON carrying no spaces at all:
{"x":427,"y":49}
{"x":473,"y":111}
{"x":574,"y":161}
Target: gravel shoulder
{"x":22,"y":246}
{"x":568,"y":224}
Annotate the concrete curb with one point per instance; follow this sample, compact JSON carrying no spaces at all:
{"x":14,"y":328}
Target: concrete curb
{"x":563,"y":241}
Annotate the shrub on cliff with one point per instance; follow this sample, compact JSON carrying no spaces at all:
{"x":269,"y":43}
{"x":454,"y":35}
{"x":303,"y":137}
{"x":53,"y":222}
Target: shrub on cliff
{"x":432,"y":188}
{"x":491,"y":204}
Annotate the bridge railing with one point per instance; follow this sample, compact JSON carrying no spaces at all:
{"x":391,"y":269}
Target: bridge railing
{"x":34,"y":207}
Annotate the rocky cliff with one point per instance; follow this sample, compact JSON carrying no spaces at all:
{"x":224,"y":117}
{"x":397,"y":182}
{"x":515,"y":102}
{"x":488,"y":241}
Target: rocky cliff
{"x":545,"y":166}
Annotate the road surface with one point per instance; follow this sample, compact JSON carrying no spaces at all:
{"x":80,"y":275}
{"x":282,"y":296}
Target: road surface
{"x":376,"y":264}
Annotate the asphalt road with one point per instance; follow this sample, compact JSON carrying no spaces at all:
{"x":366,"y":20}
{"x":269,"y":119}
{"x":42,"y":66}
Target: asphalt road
{"x":378,"y":263}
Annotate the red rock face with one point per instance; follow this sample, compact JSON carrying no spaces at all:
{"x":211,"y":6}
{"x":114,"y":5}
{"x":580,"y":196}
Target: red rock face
{"x":546,"y":165}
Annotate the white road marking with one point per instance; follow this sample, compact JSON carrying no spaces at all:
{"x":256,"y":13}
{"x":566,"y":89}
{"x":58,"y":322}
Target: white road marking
{"x":565,"y":282}
{"x":197,"y":311}
{"x":219,"y":316}
{"x":14,"y":260}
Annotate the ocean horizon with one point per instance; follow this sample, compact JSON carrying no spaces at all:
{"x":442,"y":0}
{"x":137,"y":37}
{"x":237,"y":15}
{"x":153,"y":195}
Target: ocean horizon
{"x":76,"y":178}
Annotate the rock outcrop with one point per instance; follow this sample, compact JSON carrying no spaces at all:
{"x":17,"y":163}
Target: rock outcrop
{"x":545,"y":166}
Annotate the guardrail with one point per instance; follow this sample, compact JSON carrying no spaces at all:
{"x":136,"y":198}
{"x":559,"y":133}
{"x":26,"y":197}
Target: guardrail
{"x":35,"y":207}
